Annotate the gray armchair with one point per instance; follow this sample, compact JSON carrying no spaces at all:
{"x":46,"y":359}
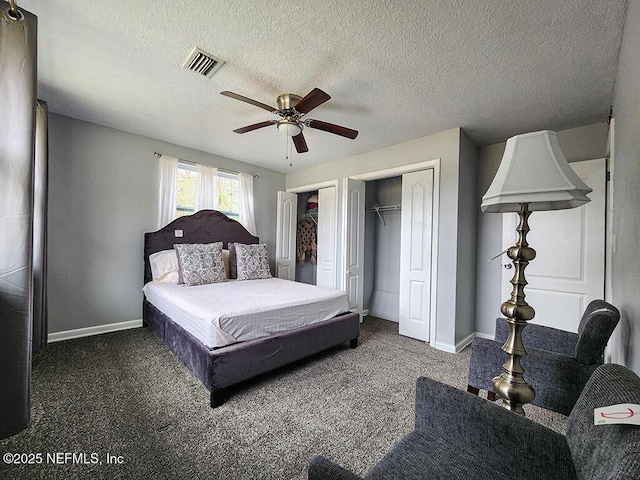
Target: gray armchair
{"x":461,"y":436}
{"x":558,"y":363}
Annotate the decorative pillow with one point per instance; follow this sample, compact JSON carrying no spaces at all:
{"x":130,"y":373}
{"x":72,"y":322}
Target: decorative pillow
{"x":252,"y":261}
{"x":164,"y":266}
{"x":233,"y":262}
{"x":201,"y":263}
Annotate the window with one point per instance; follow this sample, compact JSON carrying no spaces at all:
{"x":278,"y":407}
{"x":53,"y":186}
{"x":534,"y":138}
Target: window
{"x":229,"y":194}
{"x":187,"y":184}
{"x":186,"y":192}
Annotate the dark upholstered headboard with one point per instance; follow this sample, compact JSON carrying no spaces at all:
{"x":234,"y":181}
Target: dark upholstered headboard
{"x":205,"y":226}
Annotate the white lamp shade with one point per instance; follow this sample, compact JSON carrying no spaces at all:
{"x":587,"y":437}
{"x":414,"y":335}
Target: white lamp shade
{"x":534,"y":171}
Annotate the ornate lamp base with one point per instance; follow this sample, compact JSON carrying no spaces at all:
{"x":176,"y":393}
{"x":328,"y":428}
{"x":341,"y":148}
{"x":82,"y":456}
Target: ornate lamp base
{"x":511,"y":385}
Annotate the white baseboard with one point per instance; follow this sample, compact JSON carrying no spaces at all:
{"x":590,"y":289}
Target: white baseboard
{"x":445,"y":347}
{"x":465,"y":342}
{"x":88,"y":331}
{"x":457,"y":348}
{"x":485,"y":335}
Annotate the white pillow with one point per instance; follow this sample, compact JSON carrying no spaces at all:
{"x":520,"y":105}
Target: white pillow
{"x":164,"y":266}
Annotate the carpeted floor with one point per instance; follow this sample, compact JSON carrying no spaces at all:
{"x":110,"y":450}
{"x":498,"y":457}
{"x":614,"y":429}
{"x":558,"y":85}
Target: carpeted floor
{"x":124,"y":398}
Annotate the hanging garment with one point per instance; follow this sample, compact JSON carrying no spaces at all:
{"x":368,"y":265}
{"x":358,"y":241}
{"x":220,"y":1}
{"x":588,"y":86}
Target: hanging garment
{"x":306,"y":247}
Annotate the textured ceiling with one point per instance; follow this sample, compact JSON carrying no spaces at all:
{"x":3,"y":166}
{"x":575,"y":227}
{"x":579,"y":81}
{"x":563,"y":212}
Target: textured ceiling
{"x":396,"y":70}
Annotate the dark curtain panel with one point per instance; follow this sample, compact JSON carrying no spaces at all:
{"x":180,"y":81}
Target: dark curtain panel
{"x":18,"y":43}
{"x":40,"y":184}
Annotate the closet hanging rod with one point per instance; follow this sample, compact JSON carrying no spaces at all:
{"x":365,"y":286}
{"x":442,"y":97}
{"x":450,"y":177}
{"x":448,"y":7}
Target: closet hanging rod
{"x":379,"y":209}
{"x":385,"y":208}
{"x":223,"y":170}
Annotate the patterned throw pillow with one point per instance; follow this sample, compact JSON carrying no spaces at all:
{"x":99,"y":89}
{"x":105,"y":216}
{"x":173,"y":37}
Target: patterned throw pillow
{"x":252,"y":261}
{"x":201,"y":263}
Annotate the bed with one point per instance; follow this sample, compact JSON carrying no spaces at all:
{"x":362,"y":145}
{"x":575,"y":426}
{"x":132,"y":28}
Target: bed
{"x":222,"y":368}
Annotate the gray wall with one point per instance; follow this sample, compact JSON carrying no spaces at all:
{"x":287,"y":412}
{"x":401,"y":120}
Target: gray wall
{"x":582,"y":143}
{"x":626,"y":192}
{"x":103,"y":197}
{"x":466,"y":257}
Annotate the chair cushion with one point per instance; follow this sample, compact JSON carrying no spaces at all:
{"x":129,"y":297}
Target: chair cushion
{"x":610,"y":452}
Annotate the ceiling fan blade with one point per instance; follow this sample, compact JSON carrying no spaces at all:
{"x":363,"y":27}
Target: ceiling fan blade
{"x":311,"y":100}
{"x":300,"y":143}
{"x":332,"y":128}
{"x":249,"y":100}
{"x":255,"y":126}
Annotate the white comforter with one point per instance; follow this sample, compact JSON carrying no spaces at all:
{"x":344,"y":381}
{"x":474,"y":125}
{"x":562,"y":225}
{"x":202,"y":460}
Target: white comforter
{"x":223,"y":313}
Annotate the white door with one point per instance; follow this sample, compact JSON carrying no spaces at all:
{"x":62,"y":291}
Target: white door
{"x":415,"y":254}
{"x":353,"y":244}
{"x":568,"y":271}
{"x":327,"y":237}
{"x":286,"y":216}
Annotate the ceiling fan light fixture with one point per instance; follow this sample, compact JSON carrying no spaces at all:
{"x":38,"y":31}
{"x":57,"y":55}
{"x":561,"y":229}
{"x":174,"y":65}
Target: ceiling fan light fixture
{"x":289,"y":127}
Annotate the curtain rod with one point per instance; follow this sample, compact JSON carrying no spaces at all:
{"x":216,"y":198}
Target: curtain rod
{"x":223,"y":170}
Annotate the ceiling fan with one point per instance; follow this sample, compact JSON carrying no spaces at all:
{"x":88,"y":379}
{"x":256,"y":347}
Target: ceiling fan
{"x":292,"y":108}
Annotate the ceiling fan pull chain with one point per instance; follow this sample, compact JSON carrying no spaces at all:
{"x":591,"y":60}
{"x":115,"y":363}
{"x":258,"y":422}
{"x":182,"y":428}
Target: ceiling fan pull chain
{"x":289,"y":143}
{"x":287,"y":148}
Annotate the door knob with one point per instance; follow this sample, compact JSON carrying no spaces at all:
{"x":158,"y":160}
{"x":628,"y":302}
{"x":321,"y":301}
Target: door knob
{"x":508,"y":266}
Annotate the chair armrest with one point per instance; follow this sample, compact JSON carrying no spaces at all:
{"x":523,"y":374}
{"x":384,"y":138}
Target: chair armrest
{"x":539,"y":336}
{"x":508,"y":442}
{"x":322,"y":468}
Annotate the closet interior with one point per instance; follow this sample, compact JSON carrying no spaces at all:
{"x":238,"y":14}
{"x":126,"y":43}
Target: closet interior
{"x":383,"y":201}
{"x":307,"y":238}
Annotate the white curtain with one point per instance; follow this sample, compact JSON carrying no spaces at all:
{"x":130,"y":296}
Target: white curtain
{"x":207,"y":188}
{"x":168,"y":187}
{"x":247,"y":213}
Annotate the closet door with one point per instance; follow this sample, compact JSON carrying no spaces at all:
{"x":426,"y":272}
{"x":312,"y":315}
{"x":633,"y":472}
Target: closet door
{"x":327,"y":237}
{"x":353,"y":245}
{"x":286,"y":216}
{"x":415,"y":254}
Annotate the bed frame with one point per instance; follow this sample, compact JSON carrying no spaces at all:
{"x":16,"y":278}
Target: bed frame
{"x":222,"y":369}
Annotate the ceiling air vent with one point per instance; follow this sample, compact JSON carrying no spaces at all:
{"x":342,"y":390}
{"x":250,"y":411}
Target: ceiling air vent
{"x":202,"y":62}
